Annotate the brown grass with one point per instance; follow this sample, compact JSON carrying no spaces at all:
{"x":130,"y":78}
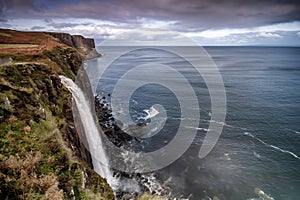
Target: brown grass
{"x":23,"y":172}
{"x":8,"y":46}
{"x":28,"y":43}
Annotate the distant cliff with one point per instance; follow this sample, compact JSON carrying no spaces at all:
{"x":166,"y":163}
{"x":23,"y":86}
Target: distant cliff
{"x":37,"y":42}
{"x":41,"y":153}
{"x":86,"y":46}
{"x":76,"y":41}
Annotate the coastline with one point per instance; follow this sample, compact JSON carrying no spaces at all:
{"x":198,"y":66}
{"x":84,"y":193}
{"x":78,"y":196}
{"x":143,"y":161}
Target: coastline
{"x":37,"y":126}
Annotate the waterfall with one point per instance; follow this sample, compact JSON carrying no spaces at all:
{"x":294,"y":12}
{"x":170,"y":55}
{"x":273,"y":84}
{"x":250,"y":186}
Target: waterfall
{"x":100,"y":161}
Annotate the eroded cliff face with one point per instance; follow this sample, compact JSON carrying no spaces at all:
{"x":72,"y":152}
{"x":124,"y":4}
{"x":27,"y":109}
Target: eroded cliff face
{"x":41,"y":153}
{"x":86,"y":46}
{"x":76,"y":41}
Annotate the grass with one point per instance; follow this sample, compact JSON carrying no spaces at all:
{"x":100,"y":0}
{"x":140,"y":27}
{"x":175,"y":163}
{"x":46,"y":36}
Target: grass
{"x":2,"y":46}
{"x":36,"y":161}
{"x":5,"y":34}
{"x":147,"y":196}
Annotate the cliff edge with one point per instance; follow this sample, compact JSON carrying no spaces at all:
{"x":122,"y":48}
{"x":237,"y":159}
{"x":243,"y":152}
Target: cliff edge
{"x":41,"y":155}
{"x":86,"y":46}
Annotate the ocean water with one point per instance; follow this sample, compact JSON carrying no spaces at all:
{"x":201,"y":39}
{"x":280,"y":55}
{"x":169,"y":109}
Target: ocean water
{"x":260,"y":143}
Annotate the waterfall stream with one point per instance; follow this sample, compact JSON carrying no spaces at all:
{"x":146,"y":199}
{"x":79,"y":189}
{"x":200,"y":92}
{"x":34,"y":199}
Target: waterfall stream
{"x":92,"y":133}
{"x":132,"y":185}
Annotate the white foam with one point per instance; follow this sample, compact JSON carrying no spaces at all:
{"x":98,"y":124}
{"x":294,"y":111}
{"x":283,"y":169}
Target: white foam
{"x":152,"y":112}
{"x":256,"y":155}
{"x":227,"y":125}
{"x":134,"y":101}
{"x":197,"y":128}
{"x":285,"y":151}
{"x":273,"y":146}
{"x":262,"y":194}
{"x":227,"y":157}
{"x":297,"y":132}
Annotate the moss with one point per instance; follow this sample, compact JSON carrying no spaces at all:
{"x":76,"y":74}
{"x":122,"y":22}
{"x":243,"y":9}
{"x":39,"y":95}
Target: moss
{"x":147,"y":196}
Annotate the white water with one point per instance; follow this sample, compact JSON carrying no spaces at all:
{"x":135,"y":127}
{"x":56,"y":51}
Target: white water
{"x":100,"y":161}
{"x":272,"y":146}
{"x":152,"y":112}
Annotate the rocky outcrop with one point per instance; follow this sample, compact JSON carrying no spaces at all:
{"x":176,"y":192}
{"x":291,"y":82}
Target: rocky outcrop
{"x":75,"y":41}
{"x":86,"y":46}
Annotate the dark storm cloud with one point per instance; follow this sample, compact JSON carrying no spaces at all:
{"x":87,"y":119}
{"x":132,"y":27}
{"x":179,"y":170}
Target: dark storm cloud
{"x":189,"y":14}
{"x":21,"y":6}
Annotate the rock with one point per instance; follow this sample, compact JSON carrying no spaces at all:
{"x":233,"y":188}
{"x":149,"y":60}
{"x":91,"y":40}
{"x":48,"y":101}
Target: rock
{"x":112,"y":128}
{"x":6,"y":61}
{"x":86,"y":46}
{"x":27,"y":129}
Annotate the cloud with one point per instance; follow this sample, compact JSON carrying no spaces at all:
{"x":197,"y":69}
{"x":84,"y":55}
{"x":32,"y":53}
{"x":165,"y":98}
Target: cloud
{"x":265,"y":30}
{"x":298,"y":34}
{"x":195,"y":15}
{"x":61,"y":25}
{"x":20,"y":7}
{"x":268,"y":35}
{"x":37,"y":28}
{"x":224,"y":21}
{"x":48,"y":20}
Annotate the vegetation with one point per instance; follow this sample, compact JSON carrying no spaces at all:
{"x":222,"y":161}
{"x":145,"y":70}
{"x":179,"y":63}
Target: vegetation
{"x":41,"y":156}
{"x":18,"y":45}
{"x":147,"y":196}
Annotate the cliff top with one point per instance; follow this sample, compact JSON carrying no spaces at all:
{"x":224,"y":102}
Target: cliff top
{"x":29,"y":43}
{"x":35,"y":43}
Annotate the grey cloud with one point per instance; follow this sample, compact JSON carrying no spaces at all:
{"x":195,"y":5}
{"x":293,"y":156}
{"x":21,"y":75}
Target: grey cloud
{"x":37,"y":28}
{"x":21,"y":7}
{"x":48,"y":20}
{"x":202,"y":14}
{"x":287,"y":38}
{"x":60,"y":25}
{"x":194,"y":15}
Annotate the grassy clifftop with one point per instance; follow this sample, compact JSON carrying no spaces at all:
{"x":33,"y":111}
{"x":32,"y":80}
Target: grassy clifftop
{"x":41,"y":156}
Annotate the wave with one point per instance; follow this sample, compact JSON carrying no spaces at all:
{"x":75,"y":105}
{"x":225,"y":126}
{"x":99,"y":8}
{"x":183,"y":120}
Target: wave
{"x":227,"y":125}
{"x":261,"y":195}
{"x":273,"y":146}
{"x":152,"y":112}
{"x":297,"y":132}
{"x":197,"y":128}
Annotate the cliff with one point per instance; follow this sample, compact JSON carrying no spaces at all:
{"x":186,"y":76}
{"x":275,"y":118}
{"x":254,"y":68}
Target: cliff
{"x":86,"y":46}
{"x":37,"y":42}
{"x":41,"y":155}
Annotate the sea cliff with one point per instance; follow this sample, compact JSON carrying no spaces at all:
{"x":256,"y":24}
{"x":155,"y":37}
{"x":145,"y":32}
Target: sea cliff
{"x":86,"y":46}
{"x":41,"y":154}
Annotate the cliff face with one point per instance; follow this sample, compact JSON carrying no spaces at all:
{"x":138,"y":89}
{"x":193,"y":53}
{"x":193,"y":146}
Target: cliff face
{"x":86,"y":46}
{"x":76,"y":41}
{"x":41,"y":155}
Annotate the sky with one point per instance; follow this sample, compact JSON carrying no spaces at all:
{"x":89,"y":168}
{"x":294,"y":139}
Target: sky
{"x":207,"y":22}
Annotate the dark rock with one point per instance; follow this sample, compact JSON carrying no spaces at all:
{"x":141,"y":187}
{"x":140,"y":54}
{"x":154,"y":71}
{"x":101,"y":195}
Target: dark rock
{"x":111,"y":128}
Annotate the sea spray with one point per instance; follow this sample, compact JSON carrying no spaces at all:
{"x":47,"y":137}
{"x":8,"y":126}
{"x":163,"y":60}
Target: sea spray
{"x":100,"y":160}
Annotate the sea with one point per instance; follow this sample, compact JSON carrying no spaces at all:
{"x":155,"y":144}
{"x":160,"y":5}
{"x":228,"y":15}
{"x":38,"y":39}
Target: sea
{"x":257,"y":155}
